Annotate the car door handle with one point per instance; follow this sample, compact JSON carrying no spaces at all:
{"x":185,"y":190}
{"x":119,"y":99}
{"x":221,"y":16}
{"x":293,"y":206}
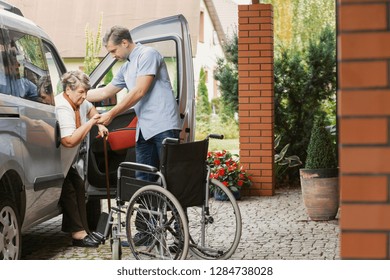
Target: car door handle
{"x":9,"y":112}
{"x":57,"y":135}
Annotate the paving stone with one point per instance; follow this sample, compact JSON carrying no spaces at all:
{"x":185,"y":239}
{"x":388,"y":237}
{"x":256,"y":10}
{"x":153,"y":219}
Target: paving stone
{"x":274,"y":228}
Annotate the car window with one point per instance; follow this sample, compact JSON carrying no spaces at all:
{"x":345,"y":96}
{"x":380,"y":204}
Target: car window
{"x":168,"y":50}
{"x":30,"y":78}
{"x":5,"y":82}
{"x":54,"y":68}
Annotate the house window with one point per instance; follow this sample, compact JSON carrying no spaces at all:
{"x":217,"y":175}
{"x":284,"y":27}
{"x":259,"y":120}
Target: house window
{"x":201,"y":27}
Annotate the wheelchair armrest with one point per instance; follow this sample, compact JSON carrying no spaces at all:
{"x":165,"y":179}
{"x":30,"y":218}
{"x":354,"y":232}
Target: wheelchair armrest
{"x":169,"y":140}
{"x":138,"y":167}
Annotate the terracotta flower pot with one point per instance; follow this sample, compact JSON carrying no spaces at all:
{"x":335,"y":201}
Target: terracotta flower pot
{"x":320,"y":192}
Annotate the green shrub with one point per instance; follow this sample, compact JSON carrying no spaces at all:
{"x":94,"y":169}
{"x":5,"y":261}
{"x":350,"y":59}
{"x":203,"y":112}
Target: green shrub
{"x":304,"y":81}
{"x":93,"y":46}
{"x":203,"y":107}
{"x":202,"y":129}
{"x":227,"y":75}
{"x":228,"y":127}
{"x":216,"y":124}
{"x":108,"y":77}
{"x":321,"y":151}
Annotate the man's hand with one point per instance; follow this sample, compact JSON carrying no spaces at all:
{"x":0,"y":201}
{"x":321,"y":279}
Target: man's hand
{"x":105,"y":119}
{"x":95,"y":118}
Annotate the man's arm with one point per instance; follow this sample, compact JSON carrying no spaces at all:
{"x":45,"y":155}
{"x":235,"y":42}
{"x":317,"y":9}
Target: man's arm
{"x":99,"y":94}
{"x":142,"y":86}
{"x":80,"y":133}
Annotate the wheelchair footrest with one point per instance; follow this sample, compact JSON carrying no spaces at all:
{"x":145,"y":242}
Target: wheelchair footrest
{"x":100,"y":233}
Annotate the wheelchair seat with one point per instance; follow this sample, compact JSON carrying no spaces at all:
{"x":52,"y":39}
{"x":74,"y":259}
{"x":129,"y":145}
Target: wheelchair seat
{"x":184,"y":168}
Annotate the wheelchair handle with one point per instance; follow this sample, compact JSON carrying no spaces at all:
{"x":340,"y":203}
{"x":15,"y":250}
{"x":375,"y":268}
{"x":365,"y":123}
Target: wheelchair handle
{"x":215,"y":136}
{"x":171,"y":140}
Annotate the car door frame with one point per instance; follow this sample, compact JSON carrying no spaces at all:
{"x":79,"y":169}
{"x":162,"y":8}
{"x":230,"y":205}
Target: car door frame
{"x":170,"y":28}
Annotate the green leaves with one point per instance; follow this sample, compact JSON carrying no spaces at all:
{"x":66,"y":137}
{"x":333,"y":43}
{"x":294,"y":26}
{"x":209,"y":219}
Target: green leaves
{"x":321,"y":150}
{"x":93,"y":46}
{"x":305,"y":86}
{"x":283,"y":162}
{"x":296,"y":22}
{"x":227,"y":75}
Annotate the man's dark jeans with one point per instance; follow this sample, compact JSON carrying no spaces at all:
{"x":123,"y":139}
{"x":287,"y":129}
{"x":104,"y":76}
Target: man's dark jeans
{"x":148,"y":151}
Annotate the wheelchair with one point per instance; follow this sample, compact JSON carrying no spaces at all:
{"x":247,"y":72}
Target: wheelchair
{"x":177,"y":214}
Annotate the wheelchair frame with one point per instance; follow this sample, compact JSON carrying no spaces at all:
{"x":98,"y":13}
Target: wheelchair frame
{"x":166,"y":220}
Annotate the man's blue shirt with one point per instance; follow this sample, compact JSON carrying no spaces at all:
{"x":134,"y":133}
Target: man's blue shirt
{"x":157,"y":111}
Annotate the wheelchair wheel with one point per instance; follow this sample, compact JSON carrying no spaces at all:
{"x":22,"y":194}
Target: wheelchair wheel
{"x":215,"y":234}
{"x":156,"y":215}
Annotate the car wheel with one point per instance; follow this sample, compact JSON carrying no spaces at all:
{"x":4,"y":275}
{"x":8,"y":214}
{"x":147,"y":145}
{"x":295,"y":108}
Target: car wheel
{"x":10,"y":235}
{"x":93,"y":213}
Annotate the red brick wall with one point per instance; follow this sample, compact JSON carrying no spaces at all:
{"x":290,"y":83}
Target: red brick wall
{"x":256,"y":96}
{"x":364,"y":114}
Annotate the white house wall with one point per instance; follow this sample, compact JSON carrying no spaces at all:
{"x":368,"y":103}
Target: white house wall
{"x":207,"y":54}
{"x":65,"y":20}
{"x":65,"y":23}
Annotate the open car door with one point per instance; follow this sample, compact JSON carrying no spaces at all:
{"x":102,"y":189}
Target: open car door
{"x":170,"y":36}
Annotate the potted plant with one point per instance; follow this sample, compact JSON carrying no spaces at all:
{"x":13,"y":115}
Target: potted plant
{"x":226,"y":168}
{"x":282,"y":162}
{"x":319,"y":178}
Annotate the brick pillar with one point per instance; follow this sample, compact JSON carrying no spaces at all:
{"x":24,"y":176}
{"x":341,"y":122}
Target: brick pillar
{"x":256,"y":103}
{"x":364,"y":114}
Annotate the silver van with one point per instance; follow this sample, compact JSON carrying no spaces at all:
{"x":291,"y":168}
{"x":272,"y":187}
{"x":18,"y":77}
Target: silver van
{"x":33,"y":164}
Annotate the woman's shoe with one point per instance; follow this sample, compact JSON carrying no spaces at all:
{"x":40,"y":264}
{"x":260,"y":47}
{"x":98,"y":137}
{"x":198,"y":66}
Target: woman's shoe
{"x":87,"y":241}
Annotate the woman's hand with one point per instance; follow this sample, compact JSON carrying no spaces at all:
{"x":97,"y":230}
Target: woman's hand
{"x":103,"y":131}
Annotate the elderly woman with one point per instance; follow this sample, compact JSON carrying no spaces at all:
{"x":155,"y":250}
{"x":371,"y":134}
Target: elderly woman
{"x":76,"y":117}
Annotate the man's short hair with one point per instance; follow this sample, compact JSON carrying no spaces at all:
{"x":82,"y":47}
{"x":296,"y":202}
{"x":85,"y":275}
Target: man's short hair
{"x":116,"y":34}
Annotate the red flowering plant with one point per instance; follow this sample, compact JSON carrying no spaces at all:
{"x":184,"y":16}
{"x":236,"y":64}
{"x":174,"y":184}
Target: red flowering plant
{"x":226,"y":168}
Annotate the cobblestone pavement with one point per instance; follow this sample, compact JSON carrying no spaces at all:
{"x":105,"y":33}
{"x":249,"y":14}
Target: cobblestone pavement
{"x":274,"y":228}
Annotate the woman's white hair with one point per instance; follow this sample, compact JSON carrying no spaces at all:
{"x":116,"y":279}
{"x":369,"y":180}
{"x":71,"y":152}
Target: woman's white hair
{"x":74,"y":79}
